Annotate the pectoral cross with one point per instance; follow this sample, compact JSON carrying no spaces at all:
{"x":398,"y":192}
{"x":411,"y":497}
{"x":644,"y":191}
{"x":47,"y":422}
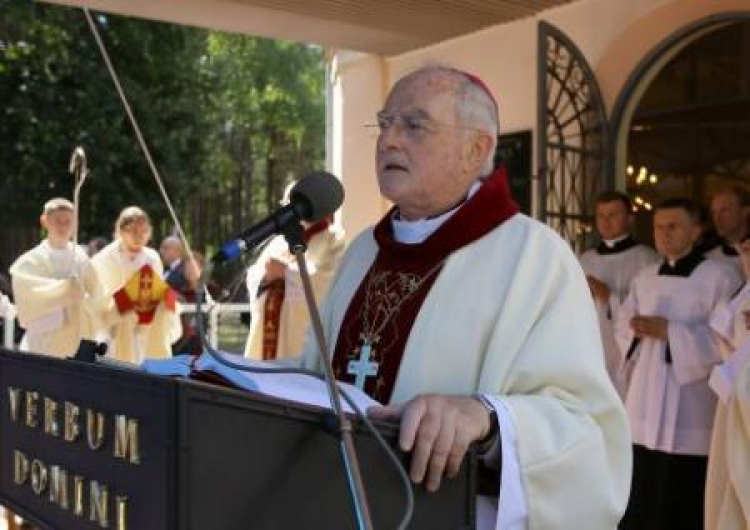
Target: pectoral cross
{"x":363,"y":367}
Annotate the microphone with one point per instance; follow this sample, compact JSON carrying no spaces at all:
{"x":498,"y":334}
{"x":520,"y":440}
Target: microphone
{"x":314,"y":197}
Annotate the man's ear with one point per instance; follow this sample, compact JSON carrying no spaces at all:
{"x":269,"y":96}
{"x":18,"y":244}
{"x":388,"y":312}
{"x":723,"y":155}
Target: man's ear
{"x":478,"y":150}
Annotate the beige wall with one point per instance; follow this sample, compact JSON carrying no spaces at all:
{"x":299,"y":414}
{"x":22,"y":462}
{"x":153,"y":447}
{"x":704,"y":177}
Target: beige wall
{"x":359,"y":86}
{"x":614,"y":35}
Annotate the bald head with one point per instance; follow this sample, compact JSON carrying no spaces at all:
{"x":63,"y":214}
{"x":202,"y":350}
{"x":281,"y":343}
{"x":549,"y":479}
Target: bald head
{"x":474,"y":105}
{"x":171,"y":250}
{"x":438,"y":131}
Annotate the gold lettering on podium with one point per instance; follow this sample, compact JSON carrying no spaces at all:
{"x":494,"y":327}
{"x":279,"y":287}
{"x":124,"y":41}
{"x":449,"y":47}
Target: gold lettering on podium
{"x":14,"y":400}
{"x":71,"y":425}
{"x":121,"y":502}
{"x":78,"y":496}
{"x":126,"y":439}
{"x":94,"y":429}
{"x":51,"y":424}
{"x":98,"y":495}
{"x":20,"y":467}
{"x":39,"y":476}
{"x":62,"y":421}
{"x":32,"y":401}
{"x":58,"y":487}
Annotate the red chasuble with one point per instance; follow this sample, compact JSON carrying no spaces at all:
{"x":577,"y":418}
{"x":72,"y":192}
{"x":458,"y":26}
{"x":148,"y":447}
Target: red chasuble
{"x":382,"y":312}
{"x":275,"y":291}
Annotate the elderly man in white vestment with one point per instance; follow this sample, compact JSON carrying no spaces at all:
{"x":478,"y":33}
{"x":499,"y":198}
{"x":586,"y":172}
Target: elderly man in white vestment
{"x":663,"y":331}
{"x":56,"y":289}
{"x":455,"y":312}
{"x":609,"y":268}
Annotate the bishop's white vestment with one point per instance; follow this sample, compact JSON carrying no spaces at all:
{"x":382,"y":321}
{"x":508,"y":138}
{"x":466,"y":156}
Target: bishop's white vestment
{"x":510,"y":315}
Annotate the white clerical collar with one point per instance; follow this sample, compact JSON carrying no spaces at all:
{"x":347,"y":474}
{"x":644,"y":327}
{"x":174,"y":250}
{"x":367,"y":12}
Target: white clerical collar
{"x":612,"y":242}
{"x":415,"y":232}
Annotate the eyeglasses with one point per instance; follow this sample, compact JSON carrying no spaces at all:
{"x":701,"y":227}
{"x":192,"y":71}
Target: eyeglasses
{"x":415,"y":125}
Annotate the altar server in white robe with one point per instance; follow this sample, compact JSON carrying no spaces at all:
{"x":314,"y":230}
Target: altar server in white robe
{"x":730,"y":213}
{"x":141,"y":316}
{"x":663,"y":329}
{"x":472,"y":323}
{"x":728,"y":482}
{"x":609,"y":269}
{"x":56,"y":289}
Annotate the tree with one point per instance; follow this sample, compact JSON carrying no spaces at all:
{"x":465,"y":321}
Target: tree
{"x":228,"y":118}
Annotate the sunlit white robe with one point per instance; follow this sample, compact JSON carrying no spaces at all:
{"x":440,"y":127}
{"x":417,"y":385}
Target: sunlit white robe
{"x":728,"y":480}
{"x":129,"y":340}
{"x":57,"y":295}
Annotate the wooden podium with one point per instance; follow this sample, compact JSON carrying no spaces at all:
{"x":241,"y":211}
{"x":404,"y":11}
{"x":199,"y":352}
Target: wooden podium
{"x":85,"y":446}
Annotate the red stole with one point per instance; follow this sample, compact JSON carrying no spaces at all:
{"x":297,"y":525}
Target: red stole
{"x":275,"y":300}
{"x":398,"y":281}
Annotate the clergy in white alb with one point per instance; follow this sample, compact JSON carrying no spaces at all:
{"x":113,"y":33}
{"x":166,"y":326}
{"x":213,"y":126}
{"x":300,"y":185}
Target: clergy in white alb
{"x":609,"y":268}
{"x":663,"y":330}
{"x":279,"y":315}
{"x":141,"y":316}
{"x":454,"y":294}
{"x":56,"y":289}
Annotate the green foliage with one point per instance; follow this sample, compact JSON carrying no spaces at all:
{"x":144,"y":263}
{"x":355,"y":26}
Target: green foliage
{"x":229,"y":119}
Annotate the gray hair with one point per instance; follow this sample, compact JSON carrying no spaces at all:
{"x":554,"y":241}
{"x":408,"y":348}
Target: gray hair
{"x":475,"y":107}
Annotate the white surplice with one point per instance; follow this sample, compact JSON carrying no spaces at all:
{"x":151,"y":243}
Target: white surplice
{"x":669,"y":403}
{"x":616,"y":269}
{"x":726,"y":256}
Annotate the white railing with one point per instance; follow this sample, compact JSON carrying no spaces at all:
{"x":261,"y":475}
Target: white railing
{"x":214,"y":312}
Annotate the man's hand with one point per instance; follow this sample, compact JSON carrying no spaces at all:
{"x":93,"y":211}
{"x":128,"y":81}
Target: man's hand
{"x":649,"y":327}
{"x":599,"y":289}
{"x":437,"y":429}
{"x":275,"y":270}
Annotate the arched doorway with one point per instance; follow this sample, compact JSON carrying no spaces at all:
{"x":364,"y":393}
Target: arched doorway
{"x":682,"y":123}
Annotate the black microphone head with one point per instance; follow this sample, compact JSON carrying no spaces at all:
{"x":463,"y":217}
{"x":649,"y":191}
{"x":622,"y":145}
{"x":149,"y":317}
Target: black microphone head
{"x":317,"y":196}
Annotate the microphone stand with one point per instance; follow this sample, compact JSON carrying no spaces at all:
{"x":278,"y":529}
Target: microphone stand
{"x":294,"y":236}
